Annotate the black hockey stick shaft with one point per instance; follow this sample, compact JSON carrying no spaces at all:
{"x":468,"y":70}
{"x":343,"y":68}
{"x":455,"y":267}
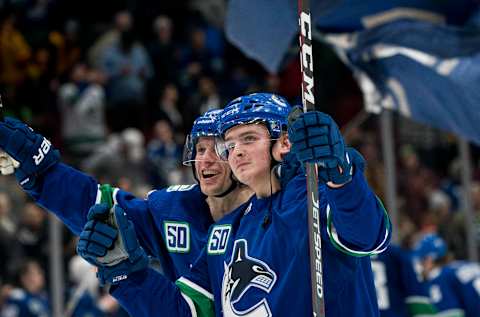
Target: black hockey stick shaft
{"x":308,"y":100}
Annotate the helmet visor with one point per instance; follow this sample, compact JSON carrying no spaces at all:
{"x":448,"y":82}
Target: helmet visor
{"x":188,"y":151}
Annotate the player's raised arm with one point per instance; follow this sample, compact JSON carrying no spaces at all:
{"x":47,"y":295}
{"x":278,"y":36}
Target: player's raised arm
{"x":41,"y":174}
{"x":357,"y":223}
{"x":59,"y":188}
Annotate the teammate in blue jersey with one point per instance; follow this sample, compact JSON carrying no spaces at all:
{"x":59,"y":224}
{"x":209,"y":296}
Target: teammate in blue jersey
{"x":399,"y":284}
{"x":29,"y":298}
{"x":172,"y":223}
{"x":454,"y":286}
{"x":256,"y":260}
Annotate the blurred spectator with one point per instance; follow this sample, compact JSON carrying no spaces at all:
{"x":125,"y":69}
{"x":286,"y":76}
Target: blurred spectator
{"x":29,"y":298}
{"x":36,"y":21}
{"x":14,"y":52}
{"x":164,"y":155}
{"x":212,"y":10}
{"x":204,"y":98}
{"x":163,"y":52}
{"x":453,"y":285}
{"x":122,"y":156}
{"x":32,"y":233}
{"x":375,"y":170}
{"x":82,"y":107}
{"x":67,"y":51}
{"x":128,"y":68}
{"x":83,"y":299}
{"x":416,"y":182}
{"x":123,"y":22}
{"x":454,"y":228}
{"x":7,"y":236}
{"x":207,"y":96}
{"x":196,"y":60}
{"x":7,"y":225}
{"x":168,"y":108}
{"x":37,"y":94}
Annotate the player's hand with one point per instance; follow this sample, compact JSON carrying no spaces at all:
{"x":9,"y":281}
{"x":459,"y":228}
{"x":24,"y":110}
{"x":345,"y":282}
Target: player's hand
{"x":32,"y":151}
{"x":316,"y":138}
{"x":7,"y":164}
{"x":112,"y":247}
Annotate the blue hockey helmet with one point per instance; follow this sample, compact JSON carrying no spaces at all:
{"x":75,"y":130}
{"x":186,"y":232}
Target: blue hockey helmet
{"x":431,"y":245}
{"x":203,"y":126}
{"x":268,"y":108}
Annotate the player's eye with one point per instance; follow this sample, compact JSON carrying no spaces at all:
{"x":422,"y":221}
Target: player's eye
{"x":230,"y":145}
{"x":250,"y":138}
{"x":201,"y":150}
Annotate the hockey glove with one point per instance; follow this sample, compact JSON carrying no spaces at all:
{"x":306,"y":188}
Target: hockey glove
{"x":31,"y":150}
{"x":315,"y":138}
{"x":112,"y":247}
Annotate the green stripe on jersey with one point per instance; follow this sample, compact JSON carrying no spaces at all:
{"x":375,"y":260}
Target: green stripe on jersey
{"x":203,"y":305}
{"x":338,"y":245}
{"x":421,"y":309}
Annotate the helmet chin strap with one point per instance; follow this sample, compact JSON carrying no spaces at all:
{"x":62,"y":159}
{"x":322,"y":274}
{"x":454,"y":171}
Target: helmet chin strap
{"x":275,"y":166}
{"x":232,"y":186}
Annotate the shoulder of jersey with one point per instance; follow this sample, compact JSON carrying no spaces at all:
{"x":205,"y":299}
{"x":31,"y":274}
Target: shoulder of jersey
{"x":176,"y":198}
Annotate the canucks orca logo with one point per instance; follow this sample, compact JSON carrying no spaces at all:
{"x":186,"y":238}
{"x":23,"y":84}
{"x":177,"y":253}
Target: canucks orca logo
{"x":242,"y":273}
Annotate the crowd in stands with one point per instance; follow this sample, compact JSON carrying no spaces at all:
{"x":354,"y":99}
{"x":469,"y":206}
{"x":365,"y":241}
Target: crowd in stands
{"x":118,"y":96}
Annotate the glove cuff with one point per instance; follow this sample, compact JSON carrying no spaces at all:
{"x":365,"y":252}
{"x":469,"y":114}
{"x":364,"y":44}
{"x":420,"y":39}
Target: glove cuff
{"x":116,"y":274}
{"x":28,"y":182}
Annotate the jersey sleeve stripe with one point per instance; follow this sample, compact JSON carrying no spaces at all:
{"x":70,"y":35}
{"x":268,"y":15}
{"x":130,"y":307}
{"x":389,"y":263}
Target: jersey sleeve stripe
{"x":190,"y":304}
{"x":198,"y":299}
{"x":451,"y":313}
{"x":333,"y":235}
{"x":195,"y":287}
{"x":98,"y":198}
{"x":114,"y":195}
{"x":417,"y":299}
{"x":420,"y":306}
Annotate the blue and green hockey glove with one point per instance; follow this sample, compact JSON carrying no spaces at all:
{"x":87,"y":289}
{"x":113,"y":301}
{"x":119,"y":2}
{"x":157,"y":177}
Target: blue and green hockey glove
{"x":109,"y":242}
{"x":316,"y":138}
{"x":33,"y":151}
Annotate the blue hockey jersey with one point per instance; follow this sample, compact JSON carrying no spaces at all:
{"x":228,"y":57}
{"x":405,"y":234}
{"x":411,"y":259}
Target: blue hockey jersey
{"x":23,"y":304}
{"x":171,"y":224}
{"x":455,"y":289}
{"x":399,"y":286}
{"x":251,"y":269}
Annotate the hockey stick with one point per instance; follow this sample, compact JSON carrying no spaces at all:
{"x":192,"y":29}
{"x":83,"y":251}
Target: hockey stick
{"x":7,"y":163}
{"x":308,"y":100}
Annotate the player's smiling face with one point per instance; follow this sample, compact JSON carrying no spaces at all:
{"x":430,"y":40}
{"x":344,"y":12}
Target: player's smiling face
{"x":249,"y":158}
{"x":212,"y":173}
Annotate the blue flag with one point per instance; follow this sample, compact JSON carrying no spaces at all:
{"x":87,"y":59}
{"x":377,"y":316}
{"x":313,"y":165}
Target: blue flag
{"x":265,"y":29}
{"x":425,"y":71}
{"x":419,"y":57}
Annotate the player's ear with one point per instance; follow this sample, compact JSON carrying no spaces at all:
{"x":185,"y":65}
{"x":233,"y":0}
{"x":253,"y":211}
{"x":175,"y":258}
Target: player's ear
{"x":281,"y":147}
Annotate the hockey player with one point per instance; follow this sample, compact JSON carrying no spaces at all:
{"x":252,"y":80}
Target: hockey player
{"x":454,"y":286}
{"x":256,"y":260}
{"x":399,"y":285}
{"x":172,"y":223}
